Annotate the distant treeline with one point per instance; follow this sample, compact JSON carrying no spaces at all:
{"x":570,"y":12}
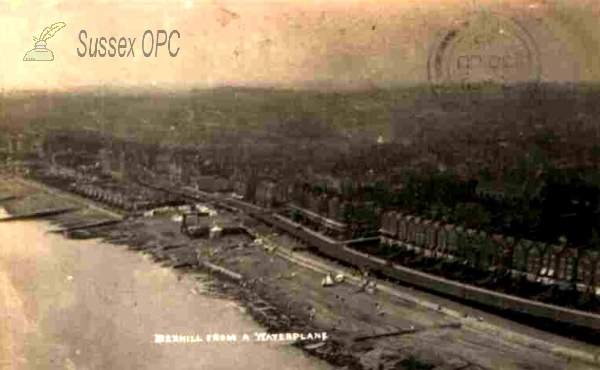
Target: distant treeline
{"x":403,"y":113}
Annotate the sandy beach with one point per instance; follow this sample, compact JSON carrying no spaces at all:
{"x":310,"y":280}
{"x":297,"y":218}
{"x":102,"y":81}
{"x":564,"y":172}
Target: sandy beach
{"x":88,"y":305}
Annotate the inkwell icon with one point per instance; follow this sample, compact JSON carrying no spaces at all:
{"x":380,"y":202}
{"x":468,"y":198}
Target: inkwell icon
{"x":40,"y":53}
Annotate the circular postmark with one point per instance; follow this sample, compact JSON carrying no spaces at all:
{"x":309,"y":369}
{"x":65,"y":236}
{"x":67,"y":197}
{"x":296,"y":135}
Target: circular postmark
{"x":486,"y":48}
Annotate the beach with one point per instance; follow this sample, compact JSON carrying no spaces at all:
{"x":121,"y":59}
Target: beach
{"x":86,"y":304}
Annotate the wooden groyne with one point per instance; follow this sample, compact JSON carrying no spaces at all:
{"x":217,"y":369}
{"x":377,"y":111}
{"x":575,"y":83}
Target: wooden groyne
{"x":39,"y":214}
{"x":10,"y":198}
{"x":89,"y":225}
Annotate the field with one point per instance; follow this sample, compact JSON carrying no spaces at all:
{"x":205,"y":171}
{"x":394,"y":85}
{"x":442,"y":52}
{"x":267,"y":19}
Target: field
{"x":502,"y":113}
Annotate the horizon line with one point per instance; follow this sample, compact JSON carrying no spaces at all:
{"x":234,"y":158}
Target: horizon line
{"x":309,"y":86}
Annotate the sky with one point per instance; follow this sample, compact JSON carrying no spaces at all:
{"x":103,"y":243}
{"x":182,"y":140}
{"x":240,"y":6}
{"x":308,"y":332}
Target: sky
{"x":292,"y":44}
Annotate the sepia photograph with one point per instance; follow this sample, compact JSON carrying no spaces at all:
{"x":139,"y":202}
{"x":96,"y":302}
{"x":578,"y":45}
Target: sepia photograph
{"x":300,"y":184}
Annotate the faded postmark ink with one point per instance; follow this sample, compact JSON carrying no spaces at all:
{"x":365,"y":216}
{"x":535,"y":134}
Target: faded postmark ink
{"x":485,"y":48}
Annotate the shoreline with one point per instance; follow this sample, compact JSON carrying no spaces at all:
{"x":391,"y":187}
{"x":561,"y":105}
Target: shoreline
{"x":96,"y":306}
{"x":269,"y":282}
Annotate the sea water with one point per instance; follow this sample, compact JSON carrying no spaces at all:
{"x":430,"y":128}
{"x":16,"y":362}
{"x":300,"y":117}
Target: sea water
{"x":86,"y":304}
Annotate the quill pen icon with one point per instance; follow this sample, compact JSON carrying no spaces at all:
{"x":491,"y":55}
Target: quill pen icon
{"x":40,"y":53}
